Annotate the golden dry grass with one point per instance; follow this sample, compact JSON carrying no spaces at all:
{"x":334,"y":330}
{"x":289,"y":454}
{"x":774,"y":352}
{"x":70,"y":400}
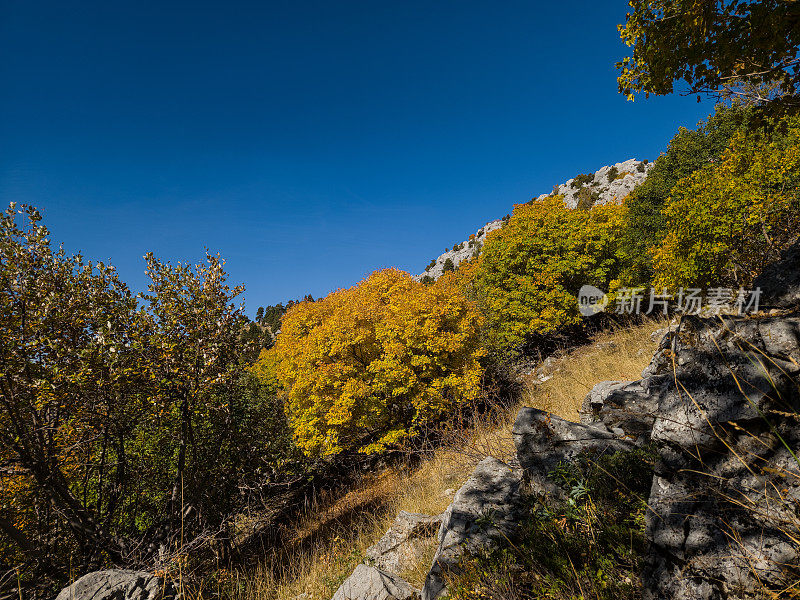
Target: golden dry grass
{"x":620,"y":355}
{"x":331,"y":541}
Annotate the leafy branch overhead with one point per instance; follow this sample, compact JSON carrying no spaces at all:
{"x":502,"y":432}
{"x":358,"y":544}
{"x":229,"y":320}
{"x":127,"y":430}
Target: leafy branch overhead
{"x":739,"y":47}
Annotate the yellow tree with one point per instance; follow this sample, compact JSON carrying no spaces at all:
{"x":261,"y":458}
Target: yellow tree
{"x":368,"y":366}
{"x":739,"y":46}
{"x":530,"y":271}
{"x":727,"y":221}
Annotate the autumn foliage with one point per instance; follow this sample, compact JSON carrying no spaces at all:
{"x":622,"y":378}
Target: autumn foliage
{"x":729,"y":219}
{"x":531,"y":270}
{"x":367,"y":366}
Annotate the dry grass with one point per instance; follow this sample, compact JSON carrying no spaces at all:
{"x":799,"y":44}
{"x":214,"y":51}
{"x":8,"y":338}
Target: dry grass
{"x":332,"y":539}
{"x":619,"y":355}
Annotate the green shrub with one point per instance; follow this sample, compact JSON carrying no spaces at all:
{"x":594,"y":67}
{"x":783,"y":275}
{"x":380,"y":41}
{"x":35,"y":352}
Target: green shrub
{"x":532,"y":269}
{"x":587,"y":197}
{"x":688,"y":151}
{"x":581,"y":180}
{"x":725,"y":222}
{"x":612,"y":174}
{"x":448,"y":266}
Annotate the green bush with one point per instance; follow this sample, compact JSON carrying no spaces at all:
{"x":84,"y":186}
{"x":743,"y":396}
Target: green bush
{"x":531,"y":269}
{"x":688,"y":151}
{"x":612,"y":174}
{"x":448,"y":265}
{"x":581,"y":180}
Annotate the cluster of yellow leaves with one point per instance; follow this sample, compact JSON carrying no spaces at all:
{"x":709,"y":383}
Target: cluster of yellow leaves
{"x":728,"y":220}
{"x":531,"y":270}
{"x":368,"y":366}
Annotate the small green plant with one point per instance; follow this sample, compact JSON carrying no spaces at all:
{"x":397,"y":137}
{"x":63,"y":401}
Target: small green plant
{"x":427,"y":280}
{"x":588,"y":545}
{"x":448,"y":266}
{"x":587,"y":197}
{"x":612,"y":174}
{"x":582,"y":180}
{"x":641,"y":166}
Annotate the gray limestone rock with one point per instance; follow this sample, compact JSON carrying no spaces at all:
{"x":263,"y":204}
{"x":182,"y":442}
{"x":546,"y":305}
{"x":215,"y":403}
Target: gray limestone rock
{"x":404,"y":544}
{"x":369,"y":583}
{"x":485,"y":510}
{"x":544,"y":440}
{"x":116,"y":584}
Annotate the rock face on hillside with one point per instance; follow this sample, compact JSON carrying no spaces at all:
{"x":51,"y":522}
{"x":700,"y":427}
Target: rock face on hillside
{"x":462,"y":251}
{"x":610,"y":184}
{"x":405,"y":543}
{"x":720,"y":403}
{"x":369,"y":583}
{"x":116,"y":584}
{"x":484,"y":511}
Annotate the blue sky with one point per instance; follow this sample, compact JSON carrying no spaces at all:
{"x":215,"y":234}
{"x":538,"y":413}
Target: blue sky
{"x":308,"y":142}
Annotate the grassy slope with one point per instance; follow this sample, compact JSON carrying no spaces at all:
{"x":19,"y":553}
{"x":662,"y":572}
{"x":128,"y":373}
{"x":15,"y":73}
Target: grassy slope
{"x":335,"y":534}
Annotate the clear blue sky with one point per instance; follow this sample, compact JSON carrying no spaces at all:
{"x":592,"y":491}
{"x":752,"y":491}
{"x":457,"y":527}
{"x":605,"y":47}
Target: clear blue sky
{"x":309,"y":142}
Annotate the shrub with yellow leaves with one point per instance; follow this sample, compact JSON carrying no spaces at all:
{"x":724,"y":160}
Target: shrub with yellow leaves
{"x":368,"y":366}
{"x":727,"y":221}
{"x":530,"y":271}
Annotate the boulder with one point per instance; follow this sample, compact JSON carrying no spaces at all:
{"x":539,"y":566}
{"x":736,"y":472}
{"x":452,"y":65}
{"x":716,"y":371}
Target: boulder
{"x":116,"y":584}
{"x":625,"y":408}
{"x":369,"y":583}
{"x":722,"y":506}
{"x":544,"y":440}
{"x":404,"y":544}
{"x":485,"y":510}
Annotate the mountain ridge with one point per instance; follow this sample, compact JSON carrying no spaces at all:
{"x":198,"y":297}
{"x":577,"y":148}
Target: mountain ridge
{"x":609,"y":184}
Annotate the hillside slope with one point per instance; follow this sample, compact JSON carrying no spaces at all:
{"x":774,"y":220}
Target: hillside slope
{"x":608,"y":184}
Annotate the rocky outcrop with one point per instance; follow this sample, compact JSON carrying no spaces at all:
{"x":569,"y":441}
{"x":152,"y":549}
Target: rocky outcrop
{"x":369,"y":583}
{"x":484,"y":512}
{"x":610,"y":184}
{"x":719,"y":402}
{"x":404,"y":544}
{"x":461,"y":251}
{"x":723,"y":506}
{"x":116,"y":584}
{"x":607,"y":185}
{"x":544,"y":440}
